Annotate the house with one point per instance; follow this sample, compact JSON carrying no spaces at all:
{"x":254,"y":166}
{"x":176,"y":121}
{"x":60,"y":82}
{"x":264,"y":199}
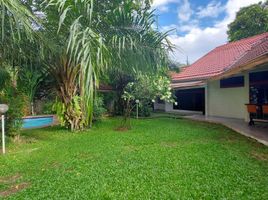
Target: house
{"x":224,"y":80}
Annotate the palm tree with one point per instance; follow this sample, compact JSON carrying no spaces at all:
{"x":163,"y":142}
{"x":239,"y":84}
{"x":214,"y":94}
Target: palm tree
{"x":4,"y":77}
{"x":20,"y":43}
{"x":16,"y":17}
{"x":68,"y":108}
{"x":17,"y":23}
{"x":114,"y":35}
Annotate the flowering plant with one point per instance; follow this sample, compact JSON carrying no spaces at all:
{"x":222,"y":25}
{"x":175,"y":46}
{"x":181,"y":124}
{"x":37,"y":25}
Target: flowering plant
{"x":145,"y":90}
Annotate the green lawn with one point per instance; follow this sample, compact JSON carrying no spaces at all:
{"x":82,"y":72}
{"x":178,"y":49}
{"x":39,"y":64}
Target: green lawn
{"x":157,"y":159}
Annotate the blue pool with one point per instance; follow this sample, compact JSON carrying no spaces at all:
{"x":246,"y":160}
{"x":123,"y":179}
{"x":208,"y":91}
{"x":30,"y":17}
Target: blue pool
{"x":37,"y":122}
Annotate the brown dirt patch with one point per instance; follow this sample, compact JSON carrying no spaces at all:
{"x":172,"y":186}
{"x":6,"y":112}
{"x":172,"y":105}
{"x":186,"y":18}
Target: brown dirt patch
{"x":228,"y":139}
{"x":85,"y":155}
{"x":122,"y":129}
{"x":10,"y":179}
{"x":130,"y":148}
{"x":169,"y":144}
{"x":55,"y":165}
{"x":259,"y":156}
{"x":14,"y":189}
{"x":25,"y":151}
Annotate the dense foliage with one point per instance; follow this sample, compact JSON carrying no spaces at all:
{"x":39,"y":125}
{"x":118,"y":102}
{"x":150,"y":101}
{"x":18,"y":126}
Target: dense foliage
{"x":99,"y":108}
{"x":29,"y":81}
{"x":143,"y":92}
{"x":20,"y":47}
{"x":72,"y":46}
{"x":17,"y":101}
{"x":122,"y":38}
{"x":250,"y":21}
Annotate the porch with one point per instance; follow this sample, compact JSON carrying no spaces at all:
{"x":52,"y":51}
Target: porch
{"x":258,"y":132}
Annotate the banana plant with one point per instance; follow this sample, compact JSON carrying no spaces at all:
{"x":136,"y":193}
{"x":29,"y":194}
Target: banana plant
{"x":30,"y":78}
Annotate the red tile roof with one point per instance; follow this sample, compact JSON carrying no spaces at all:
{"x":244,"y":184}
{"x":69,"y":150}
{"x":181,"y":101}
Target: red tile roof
{"x":225,"y":57}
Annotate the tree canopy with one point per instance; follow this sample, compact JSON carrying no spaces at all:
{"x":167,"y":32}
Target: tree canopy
{"x":249,"y":21}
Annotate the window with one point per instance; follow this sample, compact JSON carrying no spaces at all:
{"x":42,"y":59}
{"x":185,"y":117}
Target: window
{"x":258,"y":78}
{"x":232,"y":82}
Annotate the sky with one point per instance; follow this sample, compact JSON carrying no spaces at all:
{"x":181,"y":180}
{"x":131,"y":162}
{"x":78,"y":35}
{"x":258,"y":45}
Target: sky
{"x":199,"y":25}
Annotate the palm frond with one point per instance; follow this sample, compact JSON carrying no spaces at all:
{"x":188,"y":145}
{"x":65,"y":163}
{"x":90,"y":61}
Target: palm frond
{"x":15,"y":18}
{"x":118,"y":35}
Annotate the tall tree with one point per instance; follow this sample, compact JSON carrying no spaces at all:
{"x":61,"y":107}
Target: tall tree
{"x":249,"y":21}
{"x":117,"y":34}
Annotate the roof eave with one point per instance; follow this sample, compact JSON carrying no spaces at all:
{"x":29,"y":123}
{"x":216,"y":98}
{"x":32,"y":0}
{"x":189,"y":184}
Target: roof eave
{"x":240,"y":69}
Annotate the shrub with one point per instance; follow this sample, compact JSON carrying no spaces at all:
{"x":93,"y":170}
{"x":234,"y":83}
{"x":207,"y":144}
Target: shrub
{"x":109,"y":99}
{"x":145,"y":110}
{"x":16,"y":102}
{"x":48,"y":108}
{"x":70,"y":114}
{"x":4,"y":78}
{"x":144,"y":91}
{"x":99,"y":108}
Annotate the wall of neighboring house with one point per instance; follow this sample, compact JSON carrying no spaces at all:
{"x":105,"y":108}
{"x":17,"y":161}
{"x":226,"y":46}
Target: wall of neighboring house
{"x":227,"y":102}
{"x":165,"y":106}
{"x":168,"y":107}
{"x":159,"y":106}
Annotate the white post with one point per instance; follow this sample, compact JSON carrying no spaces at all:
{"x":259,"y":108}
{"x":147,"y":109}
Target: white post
{"x":3,"y":134}
{"x":137,"y":110}
{"x":32,"y":108}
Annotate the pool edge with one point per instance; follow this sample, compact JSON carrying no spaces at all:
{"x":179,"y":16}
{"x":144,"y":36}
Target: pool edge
{"x":55,"y":121}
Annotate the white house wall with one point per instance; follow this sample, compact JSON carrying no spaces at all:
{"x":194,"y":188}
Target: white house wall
{"x":227,"y":102}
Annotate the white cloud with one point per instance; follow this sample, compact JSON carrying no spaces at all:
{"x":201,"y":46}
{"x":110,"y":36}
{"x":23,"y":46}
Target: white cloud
{"x":185,"y":12}
{"x":233,"y":6}
{"x":198,"y":41}
{"x":162,"y":5}
{"x":158,"y":3}
{"x":163,"y":9}
{"x":187,"y":27}
{"x":213,"y":9}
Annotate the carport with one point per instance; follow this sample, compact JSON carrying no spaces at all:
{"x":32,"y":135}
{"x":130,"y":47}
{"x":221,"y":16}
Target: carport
{"x":190,"y":96}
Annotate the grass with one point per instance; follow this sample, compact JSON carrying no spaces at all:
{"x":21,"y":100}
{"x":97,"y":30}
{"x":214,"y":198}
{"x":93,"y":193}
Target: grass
{"x":157,"y":159}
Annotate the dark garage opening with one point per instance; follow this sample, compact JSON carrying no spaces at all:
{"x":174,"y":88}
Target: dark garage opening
{"x":258,"y":82}
{"x":190,"y":99}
